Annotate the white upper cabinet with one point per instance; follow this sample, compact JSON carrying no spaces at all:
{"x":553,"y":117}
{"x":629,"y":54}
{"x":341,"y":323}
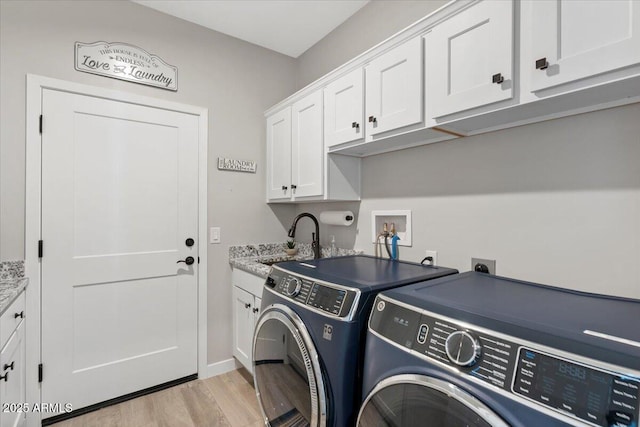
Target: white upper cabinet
{"x":470,"y":59}
{"x":572,"y":40}
{"x":307,"y":149}
{"x":343,"y":109}
{"x":279,"y":155}
{"x":394,"y":90}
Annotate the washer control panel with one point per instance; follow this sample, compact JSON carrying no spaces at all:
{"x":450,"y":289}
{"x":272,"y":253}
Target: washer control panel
{"x":331,"y":299}
{"x":587,"y":393}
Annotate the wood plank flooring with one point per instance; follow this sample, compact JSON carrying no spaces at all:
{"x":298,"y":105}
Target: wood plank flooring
{"x":227,"y":400}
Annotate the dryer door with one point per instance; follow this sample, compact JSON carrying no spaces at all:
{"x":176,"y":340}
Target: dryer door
{"x":287,"y":374}
{"x":417,"y":400}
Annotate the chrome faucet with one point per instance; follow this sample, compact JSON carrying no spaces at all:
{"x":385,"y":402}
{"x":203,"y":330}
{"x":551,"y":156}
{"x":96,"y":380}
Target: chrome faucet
{"x":315,"y":245}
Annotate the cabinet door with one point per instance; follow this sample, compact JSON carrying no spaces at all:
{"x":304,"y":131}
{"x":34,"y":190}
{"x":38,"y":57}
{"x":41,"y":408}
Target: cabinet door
{"x":12,"y":386}
{"x":578,"y":39}
{"x":279,"y":155}
{"x":470,"y":59}
{"x":243,"y":325}
{"x":343,"y":109}
{"x":307,"y":148}
{"x":394,"y":88}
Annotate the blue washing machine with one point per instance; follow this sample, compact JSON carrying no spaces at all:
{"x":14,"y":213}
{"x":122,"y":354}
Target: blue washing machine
{"x":480,"y":350}
{"x":308,"y":342}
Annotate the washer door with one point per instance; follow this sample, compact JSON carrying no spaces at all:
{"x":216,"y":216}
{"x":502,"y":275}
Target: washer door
{"x":287,"y":373}
{"x":417,"y":400}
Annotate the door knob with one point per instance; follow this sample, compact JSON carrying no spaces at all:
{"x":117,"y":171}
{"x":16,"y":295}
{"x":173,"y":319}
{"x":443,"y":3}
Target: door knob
{"x":372,"y":119}
{"x":355,"y":125}
{"x":5,"y":377}
{"x":188,"y":260}
{"x":255,"y":310}
{"x":247,"y":305}
{"x":189,"y":242}
{"x":20,"y":315}
{"x":497,"y":78}
{"x":9,"y":366}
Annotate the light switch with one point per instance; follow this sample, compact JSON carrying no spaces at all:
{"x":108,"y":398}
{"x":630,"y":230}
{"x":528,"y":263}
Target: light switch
{"x":214,"y":235}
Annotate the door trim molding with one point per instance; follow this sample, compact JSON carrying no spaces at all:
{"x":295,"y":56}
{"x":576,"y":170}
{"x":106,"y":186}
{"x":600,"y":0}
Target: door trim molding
{"x":33,"y":212}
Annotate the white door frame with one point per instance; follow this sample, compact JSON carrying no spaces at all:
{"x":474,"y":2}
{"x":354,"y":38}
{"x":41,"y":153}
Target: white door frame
{"x":33,"y":213}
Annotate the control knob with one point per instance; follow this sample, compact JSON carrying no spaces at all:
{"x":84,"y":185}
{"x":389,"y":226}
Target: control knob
{"x":292,"y":287}
{"x":462,"y":348}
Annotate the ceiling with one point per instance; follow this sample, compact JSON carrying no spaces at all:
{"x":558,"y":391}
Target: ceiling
{"x":286,"y":26}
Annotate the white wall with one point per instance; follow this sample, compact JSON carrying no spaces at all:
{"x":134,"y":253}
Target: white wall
{"x":235,"y":80}
{"x":555,"y":202}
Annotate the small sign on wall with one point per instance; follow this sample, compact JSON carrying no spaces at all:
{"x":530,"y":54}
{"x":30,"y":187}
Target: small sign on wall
{"x":236,"y":165}
{"x":125,"y":62}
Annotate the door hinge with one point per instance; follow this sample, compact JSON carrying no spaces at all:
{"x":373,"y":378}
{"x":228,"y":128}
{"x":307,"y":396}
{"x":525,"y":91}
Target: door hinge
{"x":40,"y":248}
{"x":40,"y":373}
{"x":40,"y":123}
{"x":198,"y":260}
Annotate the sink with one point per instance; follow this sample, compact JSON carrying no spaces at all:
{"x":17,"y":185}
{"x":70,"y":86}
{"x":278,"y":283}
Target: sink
{"x":275,"y":260}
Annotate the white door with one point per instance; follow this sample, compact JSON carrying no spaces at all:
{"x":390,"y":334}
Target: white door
{"x":577,"y":39}
{"x":393,"y":87}
{"x":279,"y":155}
{"x":343,"y":109}
{"x":119,"y":200}
{"x":307,"y":149}
{"x":470,"y":59}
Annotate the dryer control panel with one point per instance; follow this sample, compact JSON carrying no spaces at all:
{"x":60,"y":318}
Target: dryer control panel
{"x":330,"y":299}
{"x":564,"y":385}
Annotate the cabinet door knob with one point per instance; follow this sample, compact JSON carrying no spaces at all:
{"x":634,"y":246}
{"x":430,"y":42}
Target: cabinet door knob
{"x":542,"y":64}
{"x":355,"y":125}
{"x":9,"y":366}
{"x":247,"y":305}
{"x":372,"y":119}
{"x":20,"y":315}
{"x":255,"y":310}
{"x":293,"y":186}
{"x":285,"y":188}
{"x":497,"y":78}
{"x":5,"y":377}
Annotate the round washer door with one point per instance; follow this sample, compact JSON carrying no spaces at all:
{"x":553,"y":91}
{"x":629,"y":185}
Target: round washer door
{"x":287,"y":374}
{"x":417,"y":400}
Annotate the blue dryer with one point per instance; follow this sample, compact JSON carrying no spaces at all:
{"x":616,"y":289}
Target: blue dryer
{"x":308,"y":342}
{"x":480,"y":350}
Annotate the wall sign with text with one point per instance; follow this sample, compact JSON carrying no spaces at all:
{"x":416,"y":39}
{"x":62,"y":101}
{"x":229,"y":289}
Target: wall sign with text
{"x":125,"y":62}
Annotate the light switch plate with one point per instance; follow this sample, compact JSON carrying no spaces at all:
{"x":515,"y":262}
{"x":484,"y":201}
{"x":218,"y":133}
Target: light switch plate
{"x":214,"y":235}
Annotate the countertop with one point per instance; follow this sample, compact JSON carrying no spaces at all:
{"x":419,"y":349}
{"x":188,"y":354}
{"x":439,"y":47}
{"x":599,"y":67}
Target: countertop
{"x":9,"y":291}
{"x":251,"y":257}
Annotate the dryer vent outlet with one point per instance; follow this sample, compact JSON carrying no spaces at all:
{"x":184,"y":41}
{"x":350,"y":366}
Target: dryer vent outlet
{"x":483,"y":265}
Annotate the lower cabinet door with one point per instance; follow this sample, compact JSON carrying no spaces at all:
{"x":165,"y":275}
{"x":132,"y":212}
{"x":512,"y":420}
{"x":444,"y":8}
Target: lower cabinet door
{"x":243,"y":326}
{"x":12,"y":384}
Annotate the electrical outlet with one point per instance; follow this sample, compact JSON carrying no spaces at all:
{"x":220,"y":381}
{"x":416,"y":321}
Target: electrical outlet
{"x":490,"y":263}
{"x":434,"y":255}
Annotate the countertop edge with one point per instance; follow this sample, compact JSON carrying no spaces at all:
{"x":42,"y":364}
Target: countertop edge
{"x":10,"y":290}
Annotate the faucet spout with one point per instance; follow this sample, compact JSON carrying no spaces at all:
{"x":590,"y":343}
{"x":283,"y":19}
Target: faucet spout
{"x":315,"y":245}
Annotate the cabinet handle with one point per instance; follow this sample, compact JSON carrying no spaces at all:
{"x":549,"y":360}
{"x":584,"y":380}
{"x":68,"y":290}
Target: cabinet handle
{"x":20,"y":315}
{"x":542,"y":64}
{"x":372,"y":119}
{"x":7,"y":366}
{"x":355,"y":125}
{"x":255,"y":310}
{"x":5,"y":377}
{"x":293,"y":186}
{"x":247,"y":305}
{"x":497,"y":78}
{"x":285,"y":188}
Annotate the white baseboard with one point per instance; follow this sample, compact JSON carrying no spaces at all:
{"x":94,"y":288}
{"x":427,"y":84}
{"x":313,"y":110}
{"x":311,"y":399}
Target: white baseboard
{"x":221,"y":367}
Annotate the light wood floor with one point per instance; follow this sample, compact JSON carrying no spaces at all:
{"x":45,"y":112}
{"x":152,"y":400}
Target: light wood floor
{"x":225,"y":400}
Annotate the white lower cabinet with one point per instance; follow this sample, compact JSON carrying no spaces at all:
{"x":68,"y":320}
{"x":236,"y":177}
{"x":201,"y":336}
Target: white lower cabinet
{"x":247,"y":298}
{"x":12,"y":365}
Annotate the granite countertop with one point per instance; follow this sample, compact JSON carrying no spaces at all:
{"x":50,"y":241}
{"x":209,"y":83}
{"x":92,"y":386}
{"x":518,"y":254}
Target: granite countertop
{"x":250,"y":258}
{"x":9,"y":291}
